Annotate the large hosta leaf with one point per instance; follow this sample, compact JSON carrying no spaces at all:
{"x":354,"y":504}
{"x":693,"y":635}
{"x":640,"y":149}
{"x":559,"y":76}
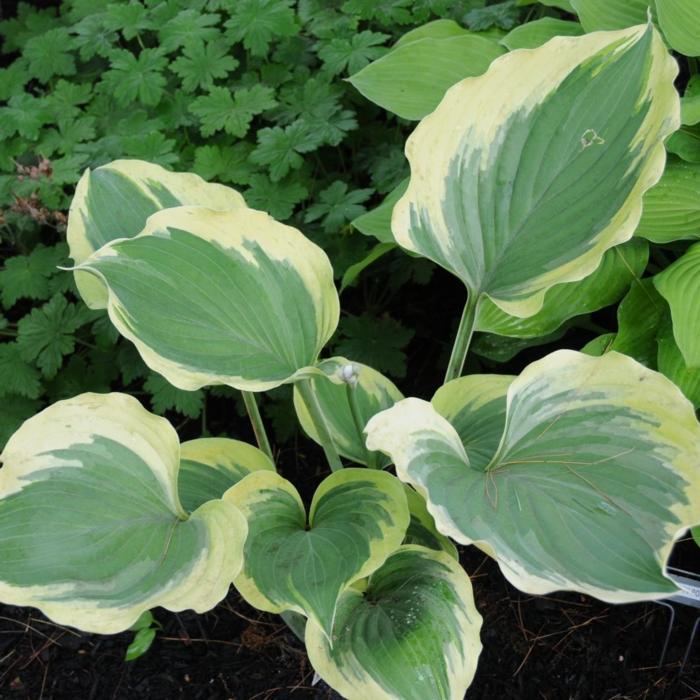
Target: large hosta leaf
{"x":672,"y":207}
{"x":610,"y":14}
{"x":680,"y":23}
{"x":411,"y":79}
{"x":422,"y":529}
{"x":596,"y":473}
{"x":114,"y":201}
{"x":679,"y":284}
{"x":357,"y":518}
{"x":214,"y":297}
{"x":411,"y":634}
{"x":91,"y":528}
{"x":522,"y":178}
{"x":210,"y":466}
{"x":671,"y":363}
{"x":619,"y":267}
{"x":372,"y":393}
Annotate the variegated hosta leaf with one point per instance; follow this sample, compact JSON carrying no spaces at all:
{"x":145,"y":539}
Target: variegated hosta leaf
{"x":679,"y":284}
{"x":91,"y":528}
{"x":210,"y":466}
{"x":373,"y":392}
{"x":597,"y":471}
{"x":421,"y":528}
{"x":618,"y":268}
{"x":411,"y":634}
{"x":220,"y":297}
{"x":672,"y":206}
{"x":523,"y":177}
{"x":357,"y":518}
{"x":114,"y":201}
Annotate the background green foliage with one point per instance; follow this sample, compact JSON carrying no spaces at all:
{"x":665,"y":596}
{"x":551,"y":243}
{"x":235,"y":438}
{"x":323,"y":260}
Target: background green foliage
{"x":244,"y":92}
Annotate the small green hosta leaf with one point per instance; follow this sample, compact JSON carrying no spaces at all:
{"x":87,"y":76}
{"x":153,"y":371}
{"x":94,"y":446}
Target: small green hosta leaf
{"x":512,"y":206}
{"x":373,"y":392}
{"x":610,"y":14}
{"x":679,"y":284}
{"x":250,"y":302}
{"x":411,"y":634}
{"x":690,"y":102}
{"x":141,"y":644}
{"x":685,"y":143}
{"x":619,"y":267}
{"x":671,"y":364}
{"x":91,"y":528}
{"x":354,"y":271}
{"x":358,"y":517}
{"x":377,"y":222}
{"x":680,"y":23}
{"x":591,"y":480}
{"x":114,"y":201}
{"x":421,"y":529}
{"x":210,"y":466}
{"x":534,"y":34}
{"x":638,"y":318}
{"x":672,"y":206}
{"x":411,"y":79}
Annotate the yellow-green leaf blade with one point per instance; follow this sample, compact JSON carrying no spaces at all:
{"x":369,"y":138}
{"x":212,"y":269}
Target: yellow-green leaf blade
{"x":534,"y":34}
{"x":512,"y":205}
{"x":213,"y":297}
{"x":91,"y":527}
{"x":680,"y":23}
{"x":114,"y":201}
{"x":412,"y":634}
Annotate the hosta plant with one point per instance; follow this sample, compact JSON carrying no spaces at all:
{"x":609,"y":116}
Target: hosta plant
{"x":527,"y":183}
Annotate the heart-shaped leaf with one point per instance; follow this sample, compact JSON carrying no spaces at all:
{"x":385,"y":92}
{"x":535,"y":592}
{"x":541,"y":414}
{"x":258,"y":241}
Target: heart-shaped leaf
{"x":679,"y":284}
{"x":210,"y":466}
{"x":348,"y":408}
{"x":357,"y":518}
{"x":91,"y":528}
{"x":220,"y":297}
{"x":593,"y":478}
{"x":114,"y":201}
{"x":523,"y":177}
{"x":411,"y":634}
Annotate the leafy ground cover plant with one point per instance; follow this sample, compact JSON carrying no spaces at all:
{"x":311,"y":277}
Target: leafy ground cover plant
{"x":579,"y":474}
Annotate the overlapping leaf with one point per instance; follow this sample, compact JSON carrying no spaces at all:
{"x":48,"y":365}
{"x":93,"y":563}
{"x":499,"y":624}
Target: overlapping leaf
{"x":358,"y":517}
{"x":91,"y":528}
{"x":522,"y":178}
{"x":114,"y":201}
{"x":412,"y":633}
{"x":592,"y":478}
{"x":220,"y":297}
